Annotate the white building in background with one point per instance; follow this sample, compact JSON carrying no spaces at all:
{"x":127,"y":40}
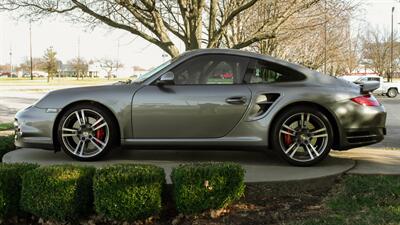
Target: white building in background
{"x":124,"y":72}
{"x":96,"y":70}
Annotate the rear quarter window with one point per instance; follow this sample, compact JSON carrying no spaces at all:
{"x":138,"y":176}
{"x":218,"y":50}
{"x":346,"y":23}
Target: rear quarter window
{"x":259,"y":72}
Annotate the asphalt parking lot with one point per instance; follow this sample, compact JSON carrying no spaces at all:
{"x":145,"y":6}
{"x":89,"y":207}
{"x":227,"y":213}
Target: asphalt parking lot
{"x":392,"y":140}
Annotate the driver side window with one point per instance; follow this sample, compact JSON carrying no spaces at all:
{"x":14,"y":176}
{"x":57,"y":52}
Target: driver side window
{"x":211,"y":69}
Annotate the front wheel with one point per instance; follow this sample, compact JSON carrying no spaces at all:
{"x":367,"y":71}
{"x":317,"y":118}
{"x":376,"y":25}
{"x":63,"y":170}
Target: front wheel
{"x":392,"y":93}
{"x":86,"y":132}
{"x":302,"y":136}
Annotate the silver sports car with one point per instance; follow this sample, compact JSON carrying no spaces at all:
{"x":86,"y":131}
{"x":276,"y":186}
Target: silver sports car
{"x":211,"y":98}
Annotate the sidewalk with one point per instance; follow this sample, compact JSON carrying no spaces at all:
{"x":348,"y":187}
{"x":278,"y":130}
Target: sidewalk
{"x":372,"y":161}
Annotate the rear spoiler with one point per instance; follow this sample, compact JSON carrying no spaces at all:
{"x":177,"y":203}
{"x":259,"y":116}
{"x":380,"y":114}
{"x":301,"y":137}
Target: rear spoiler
{"x":368,"y":86}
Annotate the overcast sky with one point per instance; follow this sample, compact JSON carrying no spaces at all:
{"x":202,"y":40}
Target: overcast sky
{"x":101,"y":42}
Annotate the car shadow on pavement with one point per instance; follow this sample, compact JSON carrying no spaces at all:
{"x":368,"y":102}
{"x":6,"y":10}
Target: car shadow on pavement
{"x":187,"y":156}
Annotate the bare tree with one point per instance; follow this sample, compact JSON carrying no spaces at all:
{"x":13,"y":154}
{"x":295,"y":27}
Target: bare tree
{"x":38,"y":64}
{"x":4,"y":67}
{"x":353,"y":56}
{"x":305,"y":29}
{"x":80,"y":66}
{"x":110,"y":66}
{"x":196,"y":23}
{"x":376,"y":51}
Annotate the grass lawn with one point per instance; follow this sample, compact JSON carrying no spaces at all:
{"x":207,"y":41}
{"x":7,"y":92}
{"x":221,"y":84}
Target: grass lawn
{"x":6,"y":126}
{"x":364,"y":199}
{"x":57,"y":81}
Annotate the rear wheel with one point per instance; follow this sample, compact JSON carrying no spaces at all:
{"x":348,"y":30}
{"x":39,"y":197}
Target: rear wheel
{"x":302,"y":136}
{"x":392,"y":93}
{"x":86,"y":132}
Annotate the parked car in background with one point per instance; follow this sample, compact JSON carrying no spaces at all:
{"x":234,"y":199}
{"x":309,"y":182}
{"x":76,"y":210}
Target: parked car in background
{"x":8,"y":75}
{"x":227,"y":75}
{"x":5,"y":74}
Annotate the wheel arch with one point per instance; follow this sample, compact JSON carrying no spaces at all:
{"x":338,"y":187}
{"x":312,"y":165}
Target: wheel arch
{"x":332,"y":119}
{"x":395,"y":88}
{"x":65,"y":108}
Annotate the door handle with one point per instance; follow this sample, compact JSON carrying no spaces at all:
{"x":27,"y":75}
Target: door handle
{"x":236,"y":100}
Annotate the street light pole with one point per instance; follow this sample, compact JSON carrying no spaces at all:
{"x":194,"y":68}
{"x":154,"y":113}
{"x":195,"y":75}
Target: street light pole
{"x":30,"y":48}
{"x":79,"y":58}
{"x":11,"y":67}
{"x":391,"y":50}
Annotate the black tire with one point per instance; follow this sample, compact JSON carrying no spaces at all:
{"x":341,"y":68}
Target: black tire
{"x":392,"y":93}
{"x":112,"y":131}
{"x":276,"y":138}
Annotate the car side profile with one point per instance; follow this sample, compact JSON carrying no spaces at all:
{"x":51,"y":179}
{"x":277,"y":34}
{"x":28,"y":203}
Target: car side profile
{"x":210,"y":98}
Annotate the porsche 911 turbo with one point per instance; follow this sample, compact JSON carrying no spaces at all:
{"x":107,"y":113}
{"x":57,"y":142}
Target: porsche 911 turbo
{"x":191,"y":102}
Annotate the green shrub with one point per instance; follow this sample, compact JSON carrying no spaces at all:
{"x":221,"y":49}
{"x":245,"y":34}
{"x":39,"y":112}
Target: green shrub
{"x":61,"y":193}
{"x":198,"y":187}
{"x":10,"y":187}
{"x":128,"y":192}
{"x":6,"y":145}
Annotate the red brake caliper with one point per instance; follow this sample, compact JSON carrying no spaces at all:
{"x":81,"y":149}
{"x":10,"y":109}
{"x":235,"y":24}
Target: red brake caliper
{"x":100,"y":134}
{"x":288,"y":139}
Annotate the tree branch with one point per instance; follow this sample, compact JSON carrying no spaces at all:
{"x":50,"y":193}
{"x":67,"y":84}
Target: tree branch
{"x":229,"y":18}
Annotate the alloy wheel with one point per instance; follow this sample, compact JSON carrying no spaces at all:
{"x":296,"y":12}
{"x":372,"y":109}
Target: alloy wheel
{"x":392,"y":93}
{"x":303,"y":137}
{"x":85,"y":133}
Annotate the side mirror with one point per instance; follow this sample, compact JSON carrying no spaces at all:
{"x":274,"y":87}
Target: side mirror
{"x":166,"y":79}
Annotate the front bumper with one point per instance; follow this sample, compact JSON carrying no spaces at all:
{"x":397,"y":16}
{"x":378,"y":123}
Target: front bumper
{"x":33,"y":128}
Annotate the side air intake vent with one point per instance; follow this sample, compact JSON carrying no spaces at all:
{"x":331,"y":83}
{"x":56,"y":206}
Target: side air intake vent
{"x":262,"y":104}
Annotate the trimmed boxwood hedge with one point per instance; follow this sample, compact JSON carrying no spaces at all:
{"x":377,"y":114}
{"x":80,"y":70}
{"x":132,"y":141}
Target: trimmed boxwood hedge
{"x":198,"y":187}
{"x":6,"y":145}
{"x":61,"y":192}
{"x":128,"y":192}
{"x":10,"y":187}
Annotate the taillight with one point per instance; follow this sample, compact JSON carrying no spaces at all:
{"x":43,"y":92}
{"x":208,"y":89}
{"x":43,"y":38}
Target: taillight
{"x":366,"y":100}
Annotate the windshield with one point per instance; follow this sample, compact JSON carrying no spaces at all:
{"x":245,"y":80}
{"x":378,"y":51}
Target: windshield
{"x":143,"y":77}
